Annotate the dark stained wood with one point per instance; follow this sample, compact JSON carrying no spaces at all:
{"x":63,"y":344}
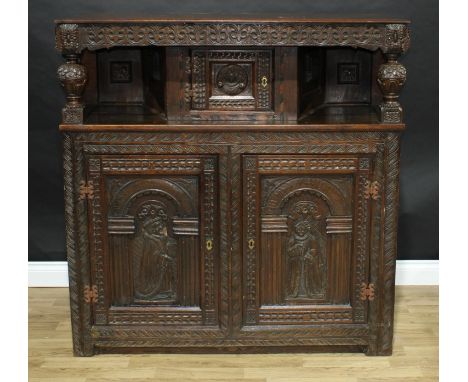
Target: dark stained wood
{"x":241,"y":18}
{"x":224,"y":195}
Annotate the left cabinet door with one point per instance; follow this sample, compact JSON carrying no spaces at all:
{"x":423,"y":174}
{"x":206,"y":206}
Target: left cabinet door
{"x":154,"y":252}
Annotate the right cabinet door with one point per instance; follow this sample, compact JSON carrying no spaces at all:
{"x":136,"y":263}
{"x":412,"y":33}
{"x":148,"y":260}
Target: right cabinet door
{"x":305,"y":249}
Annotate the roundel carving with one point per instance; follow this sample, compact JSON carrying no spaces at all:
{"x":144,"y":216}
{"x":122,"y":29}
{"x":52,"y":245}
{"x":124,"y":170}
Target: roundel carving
{"x":232,"y":79}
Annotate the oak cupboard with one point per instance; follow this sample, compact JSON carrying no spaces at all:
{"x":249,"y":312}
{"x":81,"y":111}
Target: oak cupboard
{"x":231,"y":185}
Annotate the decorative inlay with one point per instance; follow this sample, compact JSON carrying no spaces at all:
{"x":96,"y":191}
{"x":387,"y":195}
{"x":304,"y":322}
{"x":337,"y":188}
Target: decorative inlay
{"x":86,"y":190}
{"x":367,"y":292}
{"x":90,"y":294}
{"x":372,"y":190}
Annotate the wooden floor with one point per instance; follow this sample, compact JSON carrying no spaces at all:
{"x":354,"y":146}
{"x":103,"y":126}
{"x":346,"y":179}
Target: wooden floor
{"x":415,"y":355}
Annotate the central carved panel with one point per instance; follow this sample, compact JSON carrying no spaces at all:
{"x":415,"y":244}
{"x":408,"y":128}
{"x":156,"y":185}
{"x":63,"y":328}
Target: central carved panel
{"x":306,"y":262}
{"x":155,"y":226}
{"x":232,"y":79}
{"x":156,"y":259}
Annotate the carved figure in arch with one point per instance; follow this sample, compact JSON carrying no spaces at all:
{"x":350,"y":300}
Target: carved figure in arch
{"x":306,"y":267}
{"x":157,"y":268}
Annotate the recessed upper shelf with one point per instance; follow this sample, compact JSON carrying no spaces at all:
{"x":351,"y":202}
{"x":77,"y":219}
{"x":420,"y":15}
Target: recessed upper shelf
{"x":232,"y":68}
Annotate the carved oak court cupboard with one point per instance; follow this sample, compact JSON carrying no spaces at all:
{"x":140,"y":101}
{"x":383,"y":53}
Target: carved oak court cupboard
{"x":231,"y":185}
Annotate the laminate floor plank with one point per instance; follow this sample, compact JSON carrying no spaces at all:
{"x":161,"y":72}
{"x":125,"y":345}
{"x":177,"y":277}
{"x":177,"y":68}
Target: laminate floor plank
{"x":415,"y":357}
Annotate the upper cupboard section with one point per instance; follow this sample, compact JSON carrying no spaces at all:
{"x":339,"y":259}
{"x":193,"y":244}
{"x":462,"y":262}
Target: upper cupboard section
{"x":157,"y":85}
{"x":281,"y":70}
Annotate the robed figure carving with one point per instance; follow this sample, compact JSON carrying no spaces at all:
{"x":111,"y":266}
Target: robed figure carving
{"x":306,"y":266}
{"x":157,"y":266}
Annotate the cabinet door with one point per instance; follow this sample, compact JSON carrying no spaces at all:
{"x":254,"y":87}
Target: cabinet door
{"x":305,"y":248}
{"x":154,"y":252}
{"x":231,"y":79}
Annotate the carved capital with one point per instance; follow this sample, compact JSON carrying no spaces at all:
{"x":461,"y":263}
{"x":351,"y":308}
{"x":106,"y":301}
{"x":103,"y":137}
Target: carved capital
{"x":397,"y":38}
{"x":391,"y":78}
{"x":67,"y":38}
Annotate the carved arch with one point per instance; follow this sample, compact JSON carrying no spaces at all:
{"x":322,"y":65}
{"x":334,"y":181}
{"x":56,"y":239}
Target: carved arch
{"x":124,"y":201}
{"x":323,"y":189}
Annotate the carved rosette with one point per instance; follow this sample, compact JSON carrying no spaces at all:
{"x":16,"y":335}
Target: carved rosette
{"x":232,"y":79}
{"x":72,"y":77}
{"x":391,"y":78}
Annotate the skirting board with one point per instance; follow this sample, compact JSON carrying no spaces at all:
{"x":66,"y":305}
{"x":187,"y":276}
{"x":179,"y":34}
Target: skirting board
{"x":408,"y":272}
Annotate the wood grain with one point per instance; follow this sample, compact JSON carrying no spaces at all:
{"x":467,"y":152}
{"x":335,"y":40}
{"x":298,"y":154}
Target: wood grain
{"x":415,"y":352}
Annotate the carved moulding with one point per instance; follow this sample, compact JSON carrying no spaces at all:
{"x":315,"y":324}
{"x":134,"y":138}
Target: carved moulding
{"x":77,"y":37}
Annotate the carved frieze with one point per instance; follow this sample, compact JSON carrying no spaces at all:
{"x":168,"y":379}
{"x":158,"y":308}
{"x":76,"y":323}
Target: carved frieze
{"x":387,"y":37}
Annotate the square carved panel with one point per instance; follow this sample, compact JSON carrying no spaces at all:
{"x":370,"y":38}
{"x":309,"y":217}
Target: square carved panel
{"x":231,"y":80}
{"x":120,"y":71}
{"x":348,"y":73}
